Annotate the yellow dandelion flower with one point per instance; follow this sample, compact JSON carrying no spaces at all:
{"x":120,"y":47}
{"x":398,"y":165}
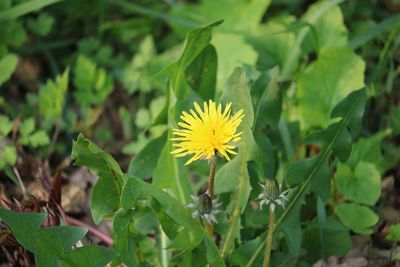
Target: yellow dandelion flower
{"x":207,"y":132}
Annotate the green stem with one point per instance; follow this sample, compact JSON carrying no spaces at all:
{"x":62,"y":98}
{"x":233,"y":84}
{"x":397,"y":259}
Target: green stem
{"x":267,"y":255}
{"x":211,"y":179}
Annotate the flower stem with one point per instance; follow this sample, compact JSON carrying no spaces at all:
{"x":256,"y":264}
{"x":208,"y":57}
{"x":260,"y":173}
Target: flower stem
{"x":213,"y":162}
{"x":211,"y":179}
{"x":267,"y":254}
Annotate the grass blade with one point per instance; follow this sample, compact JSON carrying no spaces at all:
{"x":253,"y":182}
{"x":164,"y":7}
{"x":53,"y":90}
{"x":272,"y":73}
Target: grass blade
{"x":25,"y":8}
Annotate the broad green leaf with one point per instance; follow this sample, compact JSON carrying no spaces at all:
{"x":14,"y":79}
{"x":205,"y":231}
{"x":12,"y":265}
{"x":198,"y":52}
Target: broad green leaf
{"x":88,"y":256}
{"x":168,"y":210}
{"x":105,"y":195}
{"x":292,"y":59}
{"x":338,"y":241}
{"x":237,"y":91}
{"x":214,"y":257}
{"x":93,"y":84}
{"x":232,"y":51}
{"x":125,"y":237}
{"x":25,"y":8}
{"x":171,"y":175}
{"x":178,"y":88}
{"x":196,"y":41}
{"x":329,"y":29}
{"x":394,"y":233}
{"x":7,"y":66}
{"x":23,"y":225}
{"x":369,"y":150}
{"x":201,"y":74}
{"x":52,"y":242}
{"x":335,"y":73}
{"x":274,"y":40}
{"x":358,"y":218}
{"x":52,"y":96}
{"x":361,"y":186}
{"x":144,"y":164}
{"x":242,"y":16}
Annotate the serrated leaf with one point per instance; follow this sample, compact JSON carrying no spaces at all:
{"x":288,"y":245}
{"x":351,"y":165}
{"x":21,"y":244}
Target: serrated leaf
{"x":358,"y":218}
{"x":361,"y":186}
{"x":88,"y":256}
{"x":39,"y":138}
{"x":92,"y":83}
{"x":134,"y":76}
{"x":105,"y":195}
{"x":52,"y":96}
{"x":7,"y":66}
{"x":23,"y":225}
{"x":27,"y":127}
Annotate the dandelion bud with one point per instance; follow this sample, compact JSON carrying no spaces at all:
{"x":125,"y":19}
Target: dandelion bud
{"x":271,"y":190}
{"x":205,"y":207}
{"x":271,"y":194}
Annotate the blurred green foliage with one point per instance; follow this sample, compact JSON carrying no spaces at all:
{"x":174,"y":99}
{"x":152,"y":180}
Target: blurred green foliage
{"x":121,"y":72}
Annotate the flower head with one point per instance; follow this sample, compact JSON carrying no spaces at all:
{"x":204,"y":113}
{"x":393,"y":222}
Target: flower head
{"x":272,"y":195}
{"x":207,"y":132}
{"x":205,"y":207}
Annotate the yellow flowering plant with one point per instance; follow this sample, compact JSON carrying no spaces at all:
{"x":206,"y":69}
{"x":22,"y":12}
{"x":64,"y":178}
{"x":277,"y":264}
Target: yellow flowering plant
{"x":220,"y":172}
{"x":207,"y":131}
